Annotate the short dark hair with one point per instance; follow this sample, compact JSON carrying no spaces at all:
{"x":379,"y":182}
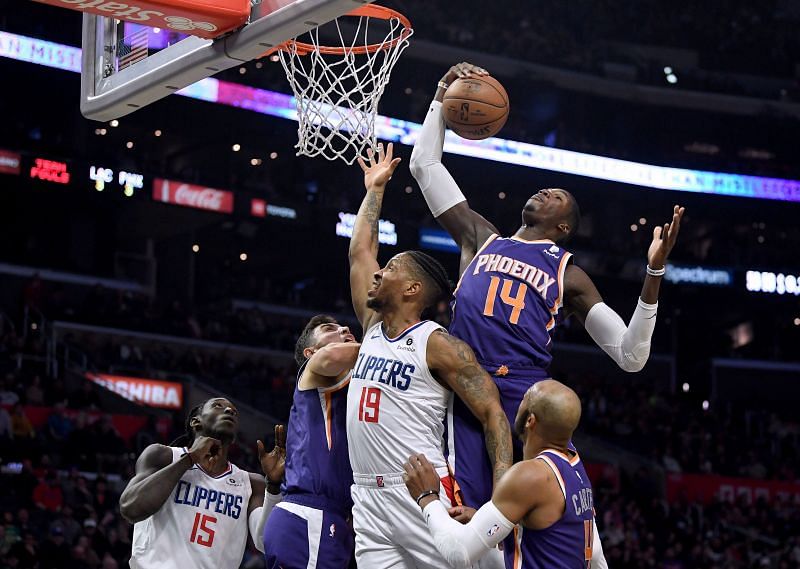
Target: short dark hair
{"x":573,"y":220}
{"x":304,"y":341}
{"x":187,"y":438}
{"x":433,"y":274}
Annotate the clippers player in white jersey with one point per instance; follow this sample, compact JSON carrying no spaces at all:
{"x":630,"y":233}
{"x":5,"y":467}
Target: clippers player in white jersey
{"x":191,"y":507}
{"x":400,"y":389}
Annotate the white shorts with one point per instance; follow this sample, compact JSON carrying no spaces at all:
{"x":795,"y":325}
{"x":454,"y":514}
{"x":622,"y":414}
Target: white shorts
{"x":390,"y":530}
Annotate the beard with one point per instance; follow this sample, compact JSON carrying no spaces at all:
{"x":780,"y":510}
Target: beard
{"x":375,"y":303}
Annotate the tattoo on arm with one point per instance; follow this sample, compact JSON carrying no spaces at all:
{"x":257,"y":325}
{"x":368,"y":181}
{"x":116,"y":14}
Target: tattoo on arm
{"x":479,"y":392}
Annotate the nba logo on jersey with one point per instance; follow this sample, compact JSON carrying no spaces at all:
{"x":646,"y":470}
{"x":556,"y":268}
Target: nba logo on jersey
{"x":379,"y":481}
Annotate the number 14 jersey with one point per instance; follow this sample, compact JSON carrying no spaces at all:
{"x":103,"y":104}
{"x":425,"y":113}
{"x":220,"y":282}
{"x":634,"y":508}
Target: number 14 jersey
{"x":395,"y":407}
{"x":508,"y":302}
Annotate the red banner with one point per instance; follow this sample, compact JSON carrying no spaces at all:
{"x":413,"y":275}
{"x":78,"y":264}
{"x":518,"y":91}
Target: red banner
{"x":706,"y":487}
{"x":150,"y":392}
{"x":9,"y":162}
{"x":189,"y":195}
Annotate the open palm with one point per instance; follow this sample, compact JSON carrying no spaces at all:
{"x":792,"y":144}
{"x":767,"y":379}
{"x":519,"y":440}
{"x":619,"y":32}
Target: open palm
{"x":664,"y":238}
{"x":379,"y":172}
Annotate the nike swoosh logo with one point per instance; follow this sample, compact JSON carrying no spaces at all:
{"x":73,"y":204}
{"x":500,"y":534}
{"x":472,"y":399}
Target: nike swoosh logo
{"x":374,"y":337}
{"x":650,"y":317}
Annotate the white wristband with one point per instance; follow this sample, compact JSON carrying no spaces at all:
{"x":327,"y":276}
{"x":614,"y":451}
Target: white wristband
{"x":656,"y":272}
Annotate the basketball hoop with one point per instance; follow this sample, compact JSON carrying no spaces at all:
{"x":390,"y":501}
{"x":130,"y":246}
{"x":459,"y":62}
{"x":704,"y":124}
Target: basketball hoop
{"x":337,"y":88}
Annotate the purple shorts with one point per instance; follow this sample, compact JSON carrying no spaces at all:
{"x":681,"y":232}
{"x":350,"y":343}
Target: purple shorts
{"x":294,"y":536}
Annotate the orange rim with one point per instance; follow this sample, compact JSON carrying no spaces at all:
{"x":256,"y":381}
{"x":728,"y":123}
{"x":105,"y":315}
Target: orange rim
{"x":368,"y":10}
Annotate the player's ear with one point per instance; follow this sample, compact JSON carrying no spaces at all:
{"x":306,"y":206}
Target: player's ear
{"x":564,"y":228}
{"x":195,"y":422}
{"x":414,"y":287}
{"x":308,"y":352}
{"x":530,"y":422}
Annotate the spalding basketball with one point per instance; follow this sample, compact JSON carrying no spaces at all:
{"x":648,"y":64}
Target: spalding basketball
{"x":475,"y":107}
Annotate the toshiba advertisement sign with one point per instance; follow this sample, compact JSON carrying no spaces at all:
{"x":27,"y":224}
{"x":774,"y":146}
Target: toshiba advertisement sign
{"x":189,"y":195}
{"x":150,"y":392}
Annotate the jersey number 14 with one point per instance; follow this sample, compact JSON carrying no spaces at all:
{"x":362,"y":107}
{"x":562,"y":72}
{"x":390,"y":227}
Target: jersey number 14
{"x":516,"y":302}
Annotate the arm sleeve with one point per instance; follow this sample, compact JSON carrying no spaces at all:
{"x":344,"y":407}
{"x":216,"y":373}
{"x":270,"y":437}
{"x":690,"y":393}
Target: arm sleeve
{"x":628,"y":346}
{"x":258,"y":519}
{"x":598,"y":557}
{"x":438,"y":187}
{"x":462,"y":545}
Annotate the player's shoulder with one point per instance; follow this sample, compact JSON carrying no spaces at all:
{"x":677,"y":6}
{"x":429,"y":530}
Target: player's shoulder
{"x":156,"y":455}
{"x":523,"y":481}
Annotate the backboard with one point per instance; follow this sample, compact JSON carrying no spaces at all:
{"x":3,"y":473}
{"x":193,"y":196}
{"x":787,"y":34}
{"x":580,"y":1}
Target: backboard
{"x":126,"y":66}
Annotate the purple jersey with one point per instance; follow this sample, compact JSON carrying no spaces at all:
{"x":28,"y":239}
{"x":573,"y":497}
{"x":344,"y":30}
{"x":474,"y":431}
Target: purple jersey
{"x":318,"y":472}
{"x":567,"y":544}
{"x":508,"y":301}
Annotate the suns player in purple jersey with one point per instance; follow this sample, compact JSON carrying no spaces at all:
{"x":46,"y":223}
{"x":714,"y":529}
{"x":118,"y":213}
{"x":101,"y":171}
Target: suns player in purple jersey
{"x":191,"y":507}
{"x":309,"y":528}
{"x":406,"y":372}
{"x":514,"y":290}
{"x":543,"y":505}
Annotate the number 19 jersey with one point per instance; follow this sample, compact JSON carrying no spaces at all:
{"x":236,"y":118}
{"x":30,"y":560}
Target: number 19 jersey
{"x":395,"y":407}
{"x":203,"y":523}
{"x":508,"y":301}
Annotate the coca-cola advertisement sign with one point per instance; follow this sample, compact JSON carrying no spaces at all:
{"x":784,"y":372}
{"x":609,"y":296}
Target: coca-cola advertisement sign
{"x":189,"y":195}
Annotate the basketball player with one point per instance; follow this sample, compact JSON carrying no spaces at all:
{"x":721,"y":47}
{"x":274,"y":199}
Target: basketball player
{"x":548,"y":494}
{"x":513,"y":291}
{"x":309,"y":528}
{"x":400,"y":387}
{"x":191,"y":507}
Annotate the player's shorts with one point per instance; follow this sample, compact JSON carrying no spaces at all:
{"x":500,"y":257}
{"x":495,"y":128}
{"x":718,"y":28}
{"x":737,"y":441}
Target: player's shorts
{"x":390,"y":530}
{"x":302,"y":537}
{"x":466,"y":445}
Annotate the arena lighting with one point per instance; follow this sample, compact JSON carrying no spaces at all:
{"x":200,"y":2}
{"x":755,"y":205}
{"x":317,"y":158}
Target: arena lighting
{"x":685,"y":387}
{"x":50,"y":171}
{"x":387,"y":234}
{"x":68,"y":58}
{"x":772,"y":283}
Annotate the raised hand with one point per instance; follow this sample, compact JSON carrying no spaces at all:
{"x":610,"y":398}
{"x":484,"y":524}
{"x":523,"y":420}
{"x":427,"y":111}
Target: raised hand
{"x":462,"y":70}
{"x":379,"y":172}
{"x":273,"y":463}
{"x":205,"y":451}
{"x":664,"y":238}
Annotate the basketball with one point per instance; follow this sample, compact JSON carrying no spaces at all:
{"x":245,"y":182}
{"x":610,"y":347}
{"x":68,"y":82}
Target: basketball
{"x":476,"y":107}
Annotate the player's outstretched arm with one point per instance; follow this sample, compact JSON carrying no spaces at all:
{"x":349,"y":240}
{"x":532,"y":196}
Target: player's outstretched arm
{"x":454,"y":363}
{"x":628,"y":346}
{"x":363,"y":252}
{"x":463,"y":545}
{"x":334,"y":359}
{"x":442,"y":194}
{"x":266,"y":490}
{"x":156,"y":477}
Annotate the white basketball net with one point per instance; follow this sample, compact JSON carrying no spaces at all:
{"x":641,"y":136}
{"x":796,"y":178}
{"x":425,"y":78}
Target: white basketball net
{"x":337,"y":95}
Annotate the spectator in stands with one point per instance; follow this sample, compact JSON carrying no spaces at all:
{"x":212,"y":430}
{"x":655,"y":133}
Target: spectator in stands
{"x":59,"y":426}
{"x":55,"y":550}
{"x":7,"y":394}
{"x":55,"y":393}
{"x":21,"y":425}
{"x":79,"y":448}
{"x":6,"y":431}
{"x":48,"y":495}
{"x":103,"y":501}
{"x":34,"y":395}
{"x":24,"y":552}
{"x":108,"y":444}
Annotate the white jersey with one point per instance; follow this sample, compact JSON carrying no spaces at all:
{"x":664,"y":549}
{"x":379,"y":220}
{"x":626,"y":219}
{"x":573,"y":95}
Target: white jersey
{"x":394,"y":405}
{"x":203,"y":523}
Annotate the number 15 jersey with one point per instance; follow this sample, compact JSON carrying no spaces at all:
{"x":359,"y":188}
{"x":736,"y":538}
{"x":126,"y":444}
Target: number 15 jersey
{"x":508,"y":302}
{"x":395,"y":407}
{"x":203,"y":523}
